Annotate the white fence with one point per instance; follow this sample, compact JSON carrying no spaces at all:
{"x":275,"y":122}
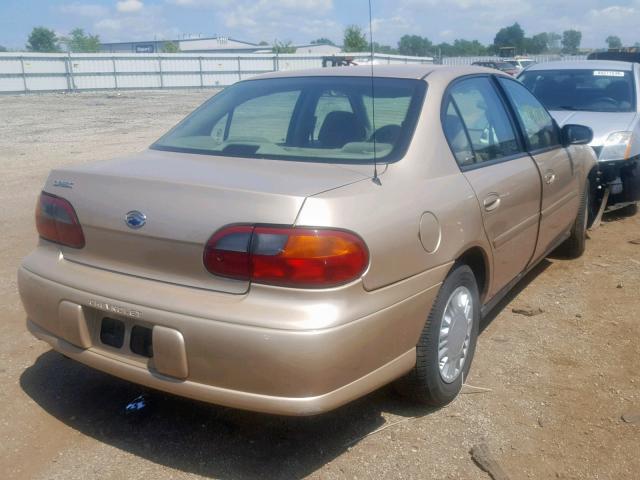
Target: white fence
{"x":536,"y":58}
{"x":42,"y":72}
{"x":58,"y":72}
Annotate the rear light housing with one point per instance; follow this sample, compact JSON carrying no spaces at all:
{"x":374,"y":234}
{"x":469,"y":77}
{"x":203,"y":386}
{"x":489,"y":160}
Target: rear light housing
{"x":56,"y":221}
{"x":284,"y":256}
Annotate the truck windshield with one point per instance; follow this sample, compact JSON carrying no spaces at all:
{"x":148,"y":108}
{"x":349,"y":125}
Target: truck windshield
{"x":598,"y":90}
{"x":319,"y":119}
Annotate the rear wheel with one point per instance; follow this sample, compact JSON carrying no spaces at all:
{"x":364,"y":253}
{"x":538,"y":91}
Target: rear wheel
{"x":575,"y":245}
{"x":447,"y":343}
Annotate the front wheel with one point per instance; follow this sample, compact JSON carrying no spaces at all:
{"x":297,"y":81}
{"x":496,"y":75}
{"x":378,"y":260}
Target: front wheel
{"x":576,"y":244}
{"x":447,"y":343}
{"x":630,"y":210}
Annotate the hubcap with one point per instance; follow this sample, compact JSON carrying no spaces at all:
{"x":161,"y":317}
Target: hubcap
{"x":455,"y":334}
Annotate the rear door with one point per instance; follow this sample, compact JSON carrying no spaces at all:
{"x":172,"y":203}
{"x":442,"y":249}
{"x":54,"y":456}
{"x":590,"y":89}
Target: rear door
{"x":560,"y":180}
{"x":504,"y":177}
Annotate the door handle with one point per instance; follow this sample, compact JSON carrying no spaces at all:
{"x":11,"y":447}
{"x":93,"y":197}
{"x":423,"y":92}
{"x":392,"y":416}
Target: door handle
{"x":550,"y":177}
{"x":491,"y":202}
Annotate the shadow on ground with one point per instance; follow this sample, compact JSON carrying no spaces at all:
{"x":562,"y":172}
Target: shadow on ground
{"x":199,"y":438}
{"x":209,"y":440}
{"x":514,"y":292}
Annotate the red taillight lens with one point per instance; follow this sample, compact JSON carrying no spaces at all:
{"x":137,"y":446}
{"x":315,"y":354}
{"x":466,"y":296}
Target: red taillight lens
{"x":292,"y":257}
{"x":57,"y":221}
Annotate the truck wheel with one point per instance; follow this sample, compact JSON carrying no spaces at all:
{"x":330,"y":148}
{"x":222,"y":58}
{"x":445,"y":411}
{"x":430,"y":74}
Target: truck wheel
{"x":448,"y":341}
{"x":575,"y":245}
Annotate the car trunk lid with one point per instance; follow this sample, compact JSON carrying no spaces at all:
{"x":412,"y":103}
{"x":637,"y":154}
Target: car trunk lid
{"x":185,"y":199}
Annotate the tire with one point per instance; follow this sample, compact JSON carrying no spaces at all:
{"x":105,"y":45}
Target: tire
{"x":575,"y":245}
{"x":629,"y":211}
{"x":426,"y":383}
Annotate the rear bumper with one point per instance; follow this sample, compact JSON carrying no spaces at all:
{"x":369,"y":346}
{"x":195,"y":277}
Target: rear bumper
{"x":281,"y":371}
{"x":298,"y":406}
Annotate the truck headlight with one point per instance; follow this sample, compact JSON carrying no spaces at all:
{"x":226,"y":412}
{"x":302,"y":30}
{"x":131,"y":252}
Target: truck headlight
{"x":617,"y":147}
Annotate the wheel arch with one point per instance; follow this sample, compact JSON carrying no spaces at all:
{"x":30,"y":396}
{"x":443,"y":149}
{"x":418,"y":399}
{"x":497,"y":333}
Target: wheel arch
{"x":478,"y":261}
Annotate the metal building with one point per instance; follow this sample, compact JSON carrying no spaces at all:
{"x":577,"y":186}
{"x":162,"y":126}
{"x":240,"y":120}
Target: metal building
{"x":216,"y":44}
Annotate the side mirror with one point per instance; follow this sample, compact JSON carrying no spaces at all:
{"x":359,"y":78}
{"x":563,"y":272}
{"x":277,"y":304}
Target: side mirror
{"x":576,"y":135}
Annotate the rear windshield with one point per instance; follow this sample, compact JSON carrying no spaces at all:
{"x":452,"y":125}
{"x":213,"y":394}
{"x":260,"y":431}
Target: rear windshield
{"x":598,"y":90}
{"x":319,"y":119}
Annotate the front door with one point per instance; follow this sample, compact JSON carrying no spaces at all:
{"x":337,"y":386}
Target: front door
{"x":560,"y":184}
{"x":504,"y":177}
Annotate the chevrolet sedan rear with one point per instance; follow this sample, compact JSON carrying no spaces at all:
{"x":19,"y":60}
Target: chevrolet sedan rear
{"x":305,"y":238}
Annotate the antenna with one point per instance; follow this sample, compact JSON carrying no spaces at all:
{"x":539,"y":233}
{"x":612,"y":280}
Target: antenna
{"x":375,"y":178}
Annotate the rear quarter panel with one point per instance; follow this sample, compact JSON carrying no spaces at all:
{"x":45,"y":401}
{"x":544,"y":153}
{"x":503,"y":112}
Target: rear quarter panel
{"x":387,"y":216}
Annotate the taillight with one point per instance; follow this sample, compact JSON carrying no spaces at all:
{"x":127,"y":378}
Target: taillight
{"x":292,"y":257}
{"x":57,"y":221}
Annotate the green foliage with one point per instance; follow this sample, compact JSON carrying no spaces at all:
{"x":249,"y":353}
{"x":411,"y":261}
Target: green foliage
{"x":461,"y":48}
{"x":171,"y":47}
{"x":537,"y":44}
{"x":262,"y":42}
{"x":2,"y":49}
{"x":512,"y":36}
{"x":354,"y":39}
{"x":389,"y":50}
{"x":571,"y":40}
{"x":43,"y":39}
{"x":469,"y":47}
{"x":78,"y":41}
{"x":322,"y":41}
{"x":414,"y":45}
{"x":613,"y":41}
{"x":283,"y":47}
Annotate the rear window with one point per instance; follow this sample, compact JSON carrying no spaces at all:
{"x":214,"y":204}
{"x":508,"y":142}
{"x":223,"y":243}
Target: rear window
{"x":597,"y":90}
{"x":320,"y":119}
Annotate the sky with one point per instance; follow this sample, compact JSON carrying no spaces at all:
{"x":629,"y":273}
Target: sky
{"x":301,"y":21}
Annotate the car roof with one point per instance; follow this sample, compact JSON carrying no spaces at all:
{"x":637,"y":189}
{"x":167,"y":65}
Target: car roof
{"x":416,"y":71}
{"x":582,"y":65}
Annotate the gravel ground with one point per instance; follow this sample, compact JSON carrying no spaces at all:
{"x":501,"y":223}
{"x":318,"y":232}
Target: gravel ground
{"x":557,"y":384}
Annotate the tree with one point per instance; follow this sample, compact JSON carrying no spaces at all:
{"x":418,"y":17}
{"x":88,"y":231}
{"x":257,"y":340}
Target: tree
{"x":537,"y":44}
{"x":463,"y":47}
{"x":78,"y":41}
{"x":262,"y":42}
{"x":387,"y":49}
{"x":42,"y":39}
{"x":571,"y":41}
{"x":354,"y":39}
{"x":2,"y":49}
{"x":283,"y":47}
{"x":613,"y":41}
{"x":322,"y":41}
{"x":414,"y":45}
{"x":512,"y":36}
{"x":171,"y":47}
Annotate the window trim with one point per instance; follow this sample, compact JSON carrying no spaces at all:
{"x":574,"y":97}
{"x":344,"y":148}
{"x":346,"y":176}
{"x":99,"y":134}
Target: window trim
{"x":516,"y":128}
{"x":521,"y":127}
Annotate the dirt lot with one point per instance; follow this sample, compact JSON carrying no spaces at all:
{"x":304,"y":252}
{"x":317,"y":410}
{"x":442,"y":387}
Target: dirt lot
{"x":557,"y":383}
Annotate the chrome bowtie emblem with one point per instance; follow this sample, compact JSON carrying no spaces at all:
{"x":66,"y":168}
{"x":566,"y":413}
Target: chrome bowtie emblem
{"x":135,"y":219}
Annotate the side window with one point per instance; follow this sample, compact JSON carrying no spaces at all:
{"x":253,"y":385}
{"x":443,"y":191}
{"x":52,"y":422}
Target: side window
{"x":490,"y":131}
{"x":457,"y":136}
{"x":218,"y":130}
{"x":271,"y":124}
{"x":329,"y":101}
{"x":539,"y":127}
